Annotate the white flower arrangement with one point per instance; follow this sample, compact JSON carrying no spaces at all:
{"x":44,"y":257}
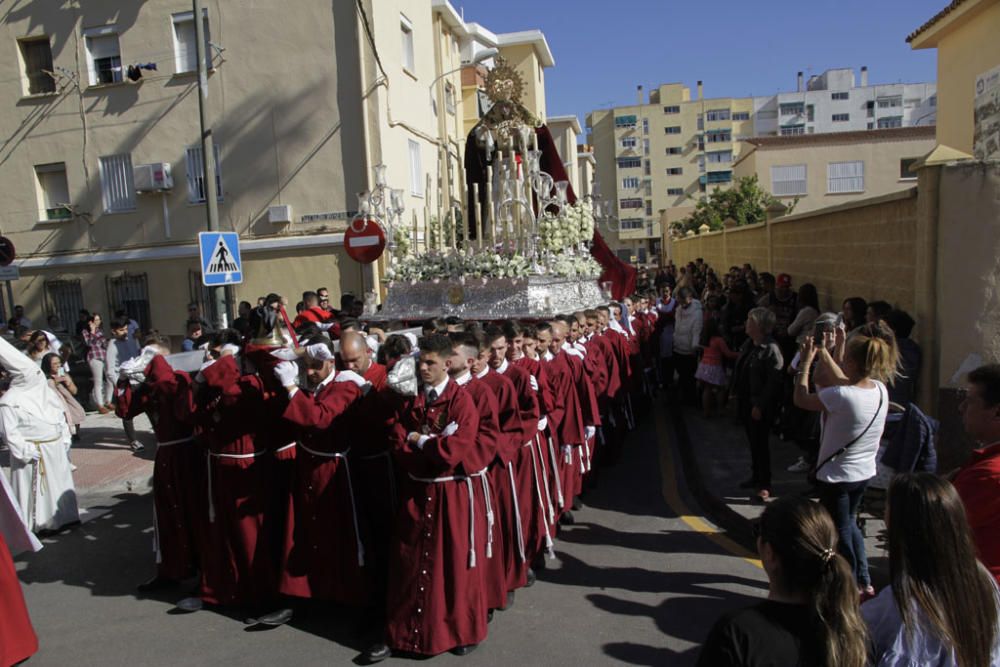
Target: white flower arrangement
{"x":571,"y":266}
{"x":435,"y":266}
{"x":574,"y":226}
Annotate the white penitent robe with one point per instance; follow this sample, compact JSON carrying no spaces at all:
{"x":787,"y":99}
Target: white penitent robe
{"x":33,"y":425}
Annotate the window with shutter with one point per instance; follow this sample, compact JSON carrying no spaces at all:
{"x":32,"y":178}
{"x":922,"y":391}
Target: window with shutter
{"x":845,"y":177}
{"x":117,"y":187}
{"x":196,"y":174}
{"x":104,"y":58}
{"x":789,"y":179}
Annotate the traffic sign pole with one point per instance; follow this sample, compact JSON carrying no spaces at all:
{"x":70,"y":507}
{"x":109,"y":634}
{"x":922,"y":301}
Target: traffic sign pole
{"x":217,"y":294}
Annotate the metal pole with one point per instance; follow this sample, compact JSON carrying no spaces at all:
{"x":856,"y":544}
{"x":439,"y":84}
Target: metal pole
{"x":217,"y":295}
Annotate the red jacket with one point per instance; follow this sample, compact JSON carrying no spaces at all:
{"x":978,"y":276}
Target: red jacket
{"x":978,"y":484}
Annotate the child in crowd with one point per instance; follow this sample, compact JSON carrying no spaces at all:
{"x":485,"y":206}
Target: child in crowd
{"x":711,"y":370}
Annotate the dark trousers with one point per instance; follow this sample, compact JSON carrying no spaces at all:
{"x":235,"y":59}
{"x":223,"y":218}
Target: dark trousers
{"x":687,"y":366}
{"x":759,"y":434}
{"x":842,"y":500}
{"x":666,"y":372}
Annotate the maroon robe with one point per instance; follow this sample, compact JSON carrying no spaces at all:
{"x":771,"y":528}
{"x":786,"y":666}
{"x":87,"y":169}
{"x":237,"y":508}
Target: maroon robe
{"x":505,"y":479}
{"x":569,"y":425}
{"x":494,"y":568}
{"x":435,"y":599}
{"x":237,"y":419}
{"x":523,"y":470}
{"x":17,"y":638}
{"x":179,"y":511}
{"x":323,"y":554}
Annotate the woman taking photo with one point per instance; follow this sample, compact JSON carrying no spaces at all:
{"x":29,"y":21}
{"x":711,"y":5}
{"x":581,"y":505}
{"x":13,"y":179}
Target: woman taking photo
{"x":52,"y":368}
{"x":942,"y":606}
{"x":97,"y":353}
{"x":811,"y":613}
{"x":854,"y":402}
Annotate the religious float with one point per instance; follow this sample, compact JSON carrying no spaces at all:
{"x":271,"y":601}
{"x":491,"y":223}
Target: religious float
{"x":519,"y":244}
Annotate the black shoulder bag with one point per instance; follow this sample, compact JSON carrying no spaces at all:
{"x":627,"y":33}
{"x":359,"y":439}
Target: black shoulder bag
{"x":881,"y":399}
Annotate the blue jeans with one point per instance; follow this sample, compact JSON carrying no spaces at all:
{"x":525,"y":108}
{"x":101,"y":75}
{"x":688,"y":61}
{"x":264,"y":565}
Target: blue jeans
{"x":841,"y":500}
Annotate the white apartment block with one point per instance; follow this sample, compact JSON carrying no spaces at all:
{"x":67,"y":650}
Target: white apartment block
{"x":831,"y":102}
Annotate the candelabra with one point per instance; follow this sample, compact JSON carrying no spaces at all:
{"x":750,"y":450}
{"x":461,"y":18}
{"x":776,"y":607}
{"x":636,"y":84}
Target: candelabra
{"x":604,"y":212}
{"x":385,"y":205}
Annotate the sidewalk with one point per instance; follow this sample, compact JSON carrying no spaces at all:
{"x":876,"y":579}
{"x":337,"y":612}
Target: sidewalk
{"x":105,"y":465}
{"x":716,"y":459}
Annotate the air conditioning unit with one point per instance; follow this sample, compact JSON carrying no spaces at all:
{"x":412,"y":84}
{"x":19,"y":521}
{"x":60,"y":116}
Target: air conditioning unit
{"x":152,"y":177}
{"x":279,"y":215}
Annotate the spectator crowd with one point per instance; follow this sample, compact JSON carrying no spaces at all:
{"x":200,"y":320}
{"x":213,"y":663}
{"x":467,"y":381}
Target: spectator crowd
{"x":424,"y":472}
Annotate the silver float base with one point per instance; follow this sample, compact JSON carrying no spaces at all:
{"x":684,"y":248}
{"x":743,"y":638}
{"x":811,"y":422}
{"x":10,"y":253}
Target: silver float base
{"x":533,"y":297}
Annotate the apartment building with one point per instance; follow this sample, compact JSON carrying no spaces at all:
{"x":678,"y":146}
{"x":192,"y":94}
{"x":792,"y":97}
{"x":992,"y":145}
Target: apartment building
{"x":820,"y":170}
{"x":656,"y":158}
{"x":831,"y":102}
{"x":102,"y":183}
{"x":566,"y":133}
{"x":661,"y":156}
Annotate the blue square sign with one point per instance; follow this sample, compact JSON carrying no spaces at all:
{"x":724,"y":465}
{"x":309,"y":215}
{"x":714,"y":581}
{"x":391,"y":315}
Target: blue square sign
{"x":220,"y":258}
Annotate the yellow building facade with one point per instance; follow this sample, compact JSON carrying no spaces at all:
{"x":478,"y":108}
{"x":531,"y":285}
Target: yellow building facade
{"x":95,"y":93}
{"x":965,"y":34}
{"x":815,"y":171}
{"x":656,"y":158}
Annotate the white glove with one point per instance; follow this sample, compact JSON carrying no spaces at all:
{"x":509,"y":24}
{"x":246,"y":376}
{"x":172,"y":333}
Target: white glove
{"x":534,"y":382}
{"x":450,"y":429}
{"x":230,"y":349}
{"x":319,"y":351}
{"x":543,"y":423}
{"x":287,"y":373}
{"x":589,"y":432}
{"x":350,"y":376}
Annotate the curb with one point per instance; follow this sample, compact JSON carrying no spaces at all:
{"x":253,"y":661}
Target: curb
{"x":736,"y":526}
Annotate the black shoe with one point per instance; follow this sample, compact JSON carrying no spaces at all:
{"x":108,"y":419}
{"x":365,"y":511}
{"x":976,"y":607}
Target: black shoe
{"x":376,"y":653}
{"x":276,"y":618}
{"x":749,"y":484}
{"x":577,"y":504}
{"x":155,"y":584}
{"x":463,"y":650}
{"x":509,"y":602}
{"x":531,"y":578}
{"x":567,"y":519}
{"x":489,"y":616}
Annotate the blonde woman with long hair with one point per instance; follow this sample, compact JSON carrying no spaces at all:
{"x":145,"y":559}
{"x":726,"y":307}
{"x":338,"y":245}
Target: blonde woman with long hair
{"x":854,"y":400}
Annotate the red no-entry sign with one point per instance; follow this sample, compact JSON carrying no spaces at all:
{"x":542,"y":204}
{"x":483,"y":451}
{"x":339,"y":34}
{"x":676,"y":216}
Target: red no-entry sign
{"x":364,"y":240}
{"x":7,"y":253}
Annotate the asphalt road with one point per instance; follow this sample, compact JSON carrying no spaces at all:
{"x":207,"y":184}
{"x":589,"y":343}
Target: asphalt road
{"x":637,"y":581}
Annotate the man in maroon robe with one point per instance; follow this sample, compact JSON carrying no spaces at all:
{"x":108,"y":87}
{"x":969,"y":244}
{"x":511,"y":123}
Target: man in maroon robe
{"x":491,"y":434}
{"x":519,"y":464}
{"x":179,"y":466}
{"x":540,"y":524}
{"x":436,"y":601}
{"x":237,"y":418}
{"x":323,"y":555}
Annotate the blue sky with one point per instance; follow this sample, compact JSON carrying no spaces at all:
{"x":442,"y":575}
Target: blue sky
{"x":604,"y":48}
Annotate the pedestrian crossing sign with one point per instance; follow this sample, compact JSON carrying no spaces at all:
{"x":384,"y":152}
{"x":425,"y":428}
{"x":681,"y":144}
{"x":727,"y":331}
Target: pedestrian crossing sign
{"x":220,"y":258}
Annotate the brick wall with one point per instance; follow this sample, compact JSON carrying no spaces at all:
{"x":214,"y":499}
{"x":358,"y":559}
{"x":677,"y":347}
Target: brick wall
{"x":865,"y":248}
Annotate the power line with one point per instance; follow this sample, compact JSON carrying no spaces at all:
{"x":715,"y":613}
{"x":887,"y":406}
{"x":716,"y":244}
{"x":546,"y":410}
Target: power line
{"x":371,"y":39}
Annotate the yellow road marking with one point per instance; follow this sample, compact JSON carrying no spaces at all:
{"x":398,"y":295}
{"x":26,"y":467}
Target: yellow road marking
{"x":673,"y":498}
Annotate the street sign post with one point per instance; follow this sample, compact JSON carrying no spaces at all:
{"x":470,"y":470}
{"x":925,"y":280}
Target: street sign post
{"x":221,"y":263}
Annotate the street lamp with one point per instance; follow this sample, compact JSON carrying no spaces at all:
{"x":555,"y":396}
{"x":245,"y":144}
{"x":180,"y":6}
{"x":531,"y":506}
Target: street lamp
{"x":480,"y":57}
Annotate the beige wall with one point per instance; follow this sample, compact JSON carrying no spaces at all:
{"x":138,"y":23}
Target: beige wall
{"x":864,"y":249}
{"x":881,"y":167}
{"x":524,"y":59}
{"x":565,"y":136}
{"x":967,"y":46}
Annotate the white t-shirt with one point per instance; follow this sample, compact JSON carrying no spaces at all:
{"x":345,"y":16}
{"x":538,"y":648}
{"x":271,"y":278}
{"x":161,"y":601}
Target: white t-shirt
{"x":848,"y":411}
